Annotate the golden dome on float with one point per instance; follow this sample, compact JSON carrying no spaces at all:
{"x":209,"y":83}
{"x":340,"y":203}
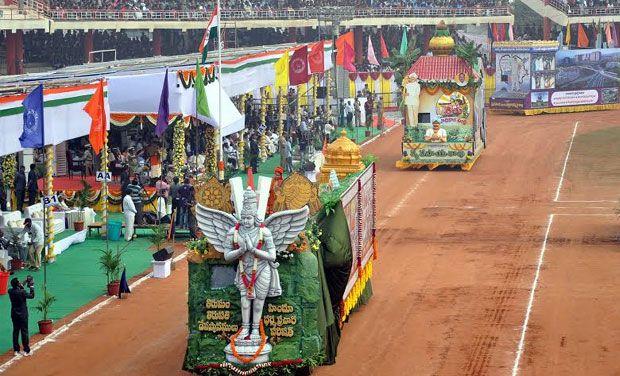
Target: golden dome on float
{"x":344,"y":156}
{"x":442,"y":42}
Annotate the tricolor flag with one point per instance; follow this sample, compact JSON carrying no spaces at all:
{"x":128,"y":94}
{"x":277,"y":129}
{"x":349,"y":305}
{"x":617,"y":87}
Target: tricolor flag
{"x":210,"y":34}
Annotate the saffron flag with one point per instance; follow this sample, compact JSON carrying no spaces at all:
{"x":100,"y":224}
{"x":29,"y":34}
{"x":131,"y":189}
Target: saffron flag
{"x":164,"y":109}
{"x":567,"y":40}
{"x":404,"y":43}
{"x":372,"y":59}
{"x":316,"y":58}
{"x":610,"y":40}
{"x":298,"y":66}
{"x":340,"y":42}
{"x":348,"y":58}
{"x":95,"y":108}
{"x":582,"y":37}
{"x":210,"y":33}
{"x":202,"y":106}
{"x":33,"y":134}
{"x":281,"y":68}
{"x":384,"y":50}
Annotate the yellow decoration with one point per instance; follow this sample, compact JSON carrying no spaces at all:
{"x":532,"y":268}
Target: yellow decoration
{"x":344,"y":156}
{"x":350,"y":302}
{"x":49,"y":191}
{"x":241,"y":143}
{"x":441,"y":43}
{"x":179,"y":158}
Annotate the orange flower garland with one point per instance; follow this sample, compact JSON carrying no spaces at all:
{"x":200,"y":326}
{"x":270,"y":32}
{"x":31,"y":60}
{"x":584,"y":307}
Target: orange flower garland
{"x":243,"y":359}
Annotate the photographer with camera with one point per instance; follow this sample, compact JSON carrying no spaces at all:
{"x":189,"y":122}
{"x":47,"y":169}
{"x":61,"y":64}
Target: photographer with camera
{"x":19,"y":312}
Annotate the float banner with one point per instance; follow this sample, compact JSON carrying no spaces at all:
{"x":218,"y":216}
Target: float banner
{"x":507,"y":103}
{"x":574,"y":98}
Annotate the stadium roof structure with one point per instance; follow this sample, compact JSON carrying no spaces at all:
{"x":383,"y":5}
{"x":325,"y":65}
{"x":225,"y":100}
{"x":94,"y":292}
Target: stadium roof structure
{"x":441,"y":68}
{"x":86,"y":73}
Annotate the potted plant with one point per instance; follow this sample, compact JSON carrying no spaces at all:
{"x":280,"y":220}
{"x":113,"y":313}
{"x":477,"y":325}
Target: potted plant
{"x":82,"y":197}
{"x":162,"y":258}
{"x":46,"y":326}
{"x":110,"y":263}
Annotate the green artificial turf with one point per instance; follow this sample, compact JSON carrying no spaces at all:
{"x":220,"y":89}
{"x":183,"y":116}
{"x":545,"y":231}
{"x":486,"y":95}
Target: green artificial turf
{"x":74,"y":279}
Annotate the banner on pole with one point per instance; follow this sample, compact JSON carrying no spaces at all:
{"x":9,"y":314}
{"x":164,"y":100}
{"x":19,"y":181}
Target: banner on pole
{"x":104,"y":176}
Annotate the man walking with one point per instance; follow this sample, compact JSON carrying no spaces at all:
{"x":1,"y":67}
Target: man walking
{"x":135,"y":190}
{"x":20,"y":187}
{"x":32,"y":185}
{"x":19,"y":313}
{"x":35,"y":245}
{"x":288,"y":153}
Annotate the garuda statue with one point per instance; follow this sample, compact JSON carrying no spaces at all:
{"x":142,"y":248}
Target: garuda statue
{"x":254,"y":244}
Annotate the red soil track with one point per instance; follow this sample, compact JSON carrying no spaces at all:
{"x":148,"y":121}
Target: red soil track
{"x":458,"y":253}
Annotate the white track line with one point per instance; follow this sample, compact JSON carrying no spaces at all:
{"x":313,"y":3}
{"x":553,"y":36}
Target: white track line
{"x":528,"y":311}
{"x":587,"y":202}
{"x":390,"y":129}
{"x":570,"y":147}
{"x":589,"y":215}
{"x":396,"y":208}
{"x":52,"y":337}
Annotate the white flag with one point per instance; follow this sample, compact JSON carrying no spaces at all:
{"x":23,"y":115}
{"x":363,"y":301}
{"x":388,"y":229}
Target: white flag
{"x":372,"y":59}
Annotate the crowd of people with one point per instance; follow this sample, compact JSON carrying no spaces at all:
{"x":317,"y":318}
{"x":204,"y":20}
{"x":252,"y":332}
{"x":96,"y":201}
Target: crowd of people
{"x":146,"y":5}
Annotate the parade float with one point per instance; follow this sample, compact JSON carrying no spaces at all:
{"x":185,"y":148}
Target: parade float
{"x":535,"y":77}
{"x":279,"y":268}
{"x":443,"y":97}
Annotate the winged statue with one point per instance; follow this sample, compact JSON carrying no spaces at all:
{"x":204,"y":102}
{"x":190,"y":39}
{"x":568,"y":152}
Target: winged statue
{"x":254,"y":244}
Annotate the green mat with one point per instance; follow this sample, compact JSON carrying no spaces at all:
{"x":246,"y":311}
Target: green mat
{"x":75,"y":279}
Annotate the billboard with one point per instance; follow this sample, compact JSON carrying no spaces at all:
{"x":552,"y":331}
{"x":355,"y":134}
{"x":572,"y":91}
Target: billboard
{"x":528,"y":78}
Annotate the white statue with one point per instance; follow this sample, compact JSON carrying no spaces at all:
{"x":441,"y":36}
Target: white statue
{"x":254,"y":245}
{"x":412,"y":98}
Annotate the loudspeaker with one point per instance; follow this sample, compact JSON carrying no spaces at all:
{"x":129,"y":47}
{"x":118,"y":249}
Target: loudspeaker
{"x":163,"y":254}
{"x":321,"y":92}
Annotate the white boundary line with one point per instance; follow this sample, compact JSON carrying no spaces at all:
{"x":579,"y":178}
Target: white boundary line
{"x":528,"y":311}
{"x":390,"y":129}
{"x":52,"y":337}
{"x":570,"y":147}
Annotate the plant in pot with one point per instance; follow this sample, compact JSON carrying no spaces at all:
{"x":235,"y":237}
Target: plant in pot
{"x":110,"y":263}
{"x":82,"y":197}
{"x":162,"y":258}
{"x":158,"y":236}
{"x":46,"y":326}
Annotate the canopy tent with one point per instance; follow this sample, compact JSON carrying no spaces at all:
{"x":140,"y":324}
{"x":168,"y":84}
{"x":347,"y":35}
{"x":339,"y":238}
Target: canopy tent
{"x":64,"y":116}
{"x":135,"y":88}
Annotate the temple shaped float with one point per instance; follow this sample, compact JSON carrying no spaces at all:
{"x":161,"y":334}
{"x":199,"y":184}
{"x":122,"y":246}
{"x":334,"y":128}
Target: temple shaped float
{"x":444,"y":101}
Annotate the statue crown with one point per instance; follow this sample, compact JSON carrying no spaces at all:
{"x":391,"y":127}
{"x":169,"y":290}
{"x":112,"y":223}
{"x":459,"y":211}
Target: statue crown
{"x":250,"y":202}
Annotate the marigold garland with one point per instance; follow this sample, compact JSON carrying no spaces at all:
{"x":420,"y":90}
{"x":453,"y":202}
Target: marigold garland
{"x":179,"y":158}
{"x":350,"y":302}
{"x":243,"y":359}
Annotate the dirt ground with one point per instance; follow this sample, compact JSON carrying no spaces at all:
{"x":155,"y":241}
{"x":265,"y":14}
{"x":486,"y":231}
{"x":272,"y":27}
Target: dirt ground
{"x":459,"y":253}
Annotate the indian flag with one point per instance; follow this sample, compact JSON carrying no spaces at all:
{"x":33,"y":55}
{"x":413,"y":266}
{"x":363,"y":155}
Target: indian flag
{"x":210,"y":33}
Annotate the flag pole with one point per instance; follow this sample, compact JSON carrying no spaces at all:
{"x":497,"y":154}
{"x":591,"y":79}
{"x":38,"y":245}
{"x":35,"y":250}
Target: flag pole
{"x":219,"y":97}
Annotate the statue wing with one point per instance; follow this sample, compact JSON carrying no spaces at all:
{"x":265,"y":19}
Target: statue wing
{"x":215,"y":225}
{"x":286,"y":225}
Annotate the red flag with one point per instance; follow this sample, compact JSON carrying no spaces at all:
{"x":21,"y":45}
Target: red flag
{"x":95,"y":108}
{"x":384,"y":51}
{"x":348,"y":58}
{"x":347,"y":38}
{"x":298,"y":66}
{"x":316,"y":58}
{"x":582,"y":37}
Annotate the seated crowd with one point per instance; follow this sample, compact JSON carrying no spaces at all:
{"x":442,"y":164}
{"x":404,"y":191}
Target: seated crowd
{"x":146,"y":5}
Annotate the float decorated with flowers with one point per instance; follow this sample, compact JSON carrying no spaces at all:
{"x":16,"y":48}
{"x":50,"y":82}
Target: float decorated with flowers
{"x":280,"y":267}
{"x":443,"y":99}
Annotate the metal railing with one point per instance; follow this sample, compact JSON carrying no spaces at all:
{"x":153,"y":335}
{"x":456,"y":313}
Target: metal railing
{"x":20,"y":14}
{"x":270,"y":14}
{"x":577,"y":11}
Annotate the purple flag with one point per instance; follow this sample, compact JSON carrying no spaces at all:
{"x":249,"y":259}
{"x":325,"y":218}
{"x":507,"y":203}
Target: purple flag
{"x":164,"y":109}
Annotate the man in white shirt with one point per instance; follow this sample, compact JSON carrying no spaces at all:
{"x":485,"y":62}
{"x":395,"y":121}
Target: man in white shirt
{"x":35,"y":244}
{"x":436,"y":134}
{"x":328,"y":130}
{"x":130,"y":215}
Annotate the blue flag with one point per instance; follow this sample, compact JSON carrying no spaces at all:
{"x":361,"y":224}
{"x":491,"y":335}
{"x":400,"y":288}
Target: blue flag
{"x":164,"y":109}
{"x":33,"y":134}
